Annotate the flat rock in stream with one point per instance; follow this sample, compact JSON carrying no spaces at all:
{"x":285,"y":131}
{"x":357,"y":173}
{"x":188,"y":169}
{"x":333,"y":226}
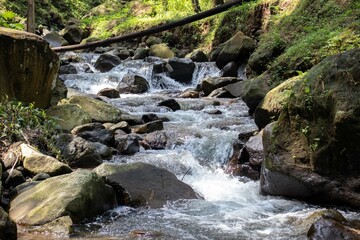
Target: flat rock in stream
{"x":149,"y":185}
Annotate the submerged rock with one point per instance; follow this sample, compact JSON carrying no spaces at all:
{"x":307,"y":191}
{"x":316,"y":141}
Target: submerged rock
{"x":81,"y":194}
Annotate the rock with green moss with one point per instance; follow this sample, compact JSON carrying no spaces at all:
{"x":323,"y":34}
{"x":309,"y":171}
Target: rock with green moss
{"x":236,"y":49}
{"x":68,"y":116}
{"x":99,"y":111}
{"x":274,"y":101}
{"x":81,"y":194}
{"x":161,"y":50}
{"x":36,"y":162}
{"x":313,"y":150}
{"x":28,"y":67}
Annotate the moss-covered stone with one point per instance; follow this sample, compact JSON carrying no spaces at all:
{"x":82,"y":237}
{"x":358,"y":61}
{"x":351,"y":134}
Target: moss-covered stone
{"x":161,"y":50}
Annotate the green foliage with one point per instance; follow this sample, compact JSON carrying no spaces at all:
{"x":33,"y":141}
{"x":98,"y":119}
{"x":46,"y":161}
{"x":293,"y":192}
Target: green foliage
{"x":20,"y":122}
{"x":10,"y":20}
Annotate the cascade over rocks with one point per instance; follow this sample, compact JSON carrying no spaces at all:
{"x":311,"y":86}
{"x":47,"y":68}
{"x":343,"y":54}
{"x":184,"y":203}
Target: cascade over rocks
{"x":28,"y":67}
{"x":312,"y":151}
{"x":81,"y":194}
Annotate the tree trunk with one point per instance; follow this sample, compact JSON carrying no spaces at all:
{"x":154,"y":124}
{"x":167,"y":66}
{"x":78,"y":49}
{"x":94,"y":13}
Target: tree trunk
{"x":30,"y":27}
{"x":196,"y":6}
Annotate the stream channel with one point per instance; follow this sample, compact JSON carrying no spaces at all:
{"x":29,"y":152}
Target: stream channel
{"x":199,"y":146}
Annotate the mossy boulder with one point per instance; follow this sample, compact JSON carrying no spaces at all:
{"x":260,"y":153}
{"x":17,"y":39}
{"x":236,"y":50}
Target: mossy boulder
{"x":68,"y":116}
{"x":162,"y":51}
{"x":81,"y":194}
{"x":28,"y":67}
{"x":313,"y":150}
{"x":99,"y":111}
{"x":273,"y":102}
{"x":236,"y":49}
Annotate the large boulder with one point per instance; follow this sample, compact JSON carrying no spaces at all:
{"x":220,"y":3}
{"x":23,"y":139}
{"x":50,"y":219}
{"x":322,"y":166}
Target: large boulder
{"x":81,"y":194}
{"x":183,"y":69}
{"x":72,"y":33}
{"x":150,"y":185}
{"x":106,"y":62}
{"x":161,"y":50}
{"x":99,"y":111}
{"x":36,"y":162}
{"x":274,"y":101}
{"x":55,"y":39}
{"x":28,"y":67}
{"x":313,"y":150}
{"x":236,"y":49}
{"x":8,"y":229}
{"x":133,"y":84}
{"x":68,"y":116}
{"x":210,"y":84}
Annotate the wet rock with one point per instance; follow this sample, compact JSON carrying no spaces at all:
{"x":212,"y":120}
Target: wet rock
{"x":141,"y":53}
{"x":55,"y":40}
{"x":317,"y":135}
{"x":81,"y":194}
{"x":161,"y":50}
{"x":210,"y":84}
{"x":8,"y":228}
{"x":104,"y":151}
{"x":123,"y":54}
{"x":106,"y":62}
{"x":133,"y":84}
{"x":36,"y":162}
{"x":131,"y":119}
{"x":183,"y":69}
{"x":60,"y":227}
{"x":72,"y":33}
{"x":254,"y":147}
{"x":156,"y":140}
{"x":109,"y":93}
{"x":161,"y":67}
{"x":244,"y":136}
{"x":78,"y":152}
{"x":31,"y":77}
{"x":148,"y":127}
{"x":214,"y":112}
{"x":170,"y":103}
{"x":151,"y":186}
{"x":149,"y":117}
{"x":99,"y":111}
{"x":189,"y":93}
{"x":68,"y":69}
{"x":220,"y":93}
{"x":127,"y":144}
{"x":230,"y":70}
{"x":68,"y":116}
{"x":124,"y":126}
{"x":94,"y":132}
{"x":198,"y":56}
{"x":237,"y":49}
{"x":331,"y":229}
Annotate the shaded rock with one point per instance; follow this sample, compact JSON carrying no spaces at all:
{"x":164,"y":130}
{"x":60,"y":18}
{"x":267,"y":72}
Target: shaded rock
{"x":151,"y":186}
{"x":156,"y":140}
{"x":189,"y":93}
{"x":198,"y":56}
{"x":72,"y":33}
{"x":317,"y":135}
{"x":68,"y":116}
{"x":149,"y":117}
{"x":8,"y":228}
{"x":40,"y":177}
{"x":254,"y":147}
{"x":183,"y":69}
{"x":141,"y":53}
{"x":78,"y":152}
{"x":148,"y":127}
{"x":331,"y":229}
{"x":210,"y":84}
{"x":68,"y":69}
{"x":131,"y":119}
{"x":106,"y":62}
{"x":230,"y":70}
{"x":220,"y":93}
{"x":261,"y":58}
{"x":133,"y":84}
{"x":36,"y":162}
{"x":236,"y":49}
{"x":94,"y":132}
{"x":103,"y":150}
{"x":58,"y":92}
{"x":161,"y":50}
{"x":109,"y":93}
{"x":170,"y":103}
{"x":153,"y":40}
{"x":123,"y":54}
{"x":99,"y":111}
{"x":55,"y":40}
{"x":127,"y":144}
{"x":69,"y":194}
{"x":274,"y":101}
{"x":30,"y":75}
{"x":12,"y":178}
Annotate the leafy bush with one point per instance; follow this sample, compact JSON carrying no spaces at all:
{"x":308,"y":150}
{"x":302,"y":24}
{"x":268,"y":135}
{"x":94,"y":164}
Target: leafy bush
{"x":20,"y":122}
{"x":9,"y":19}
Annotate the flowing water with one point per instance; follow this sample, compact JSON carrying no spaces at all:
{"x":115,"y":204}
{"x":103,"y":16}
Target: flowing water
{"x":199,"y":144}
